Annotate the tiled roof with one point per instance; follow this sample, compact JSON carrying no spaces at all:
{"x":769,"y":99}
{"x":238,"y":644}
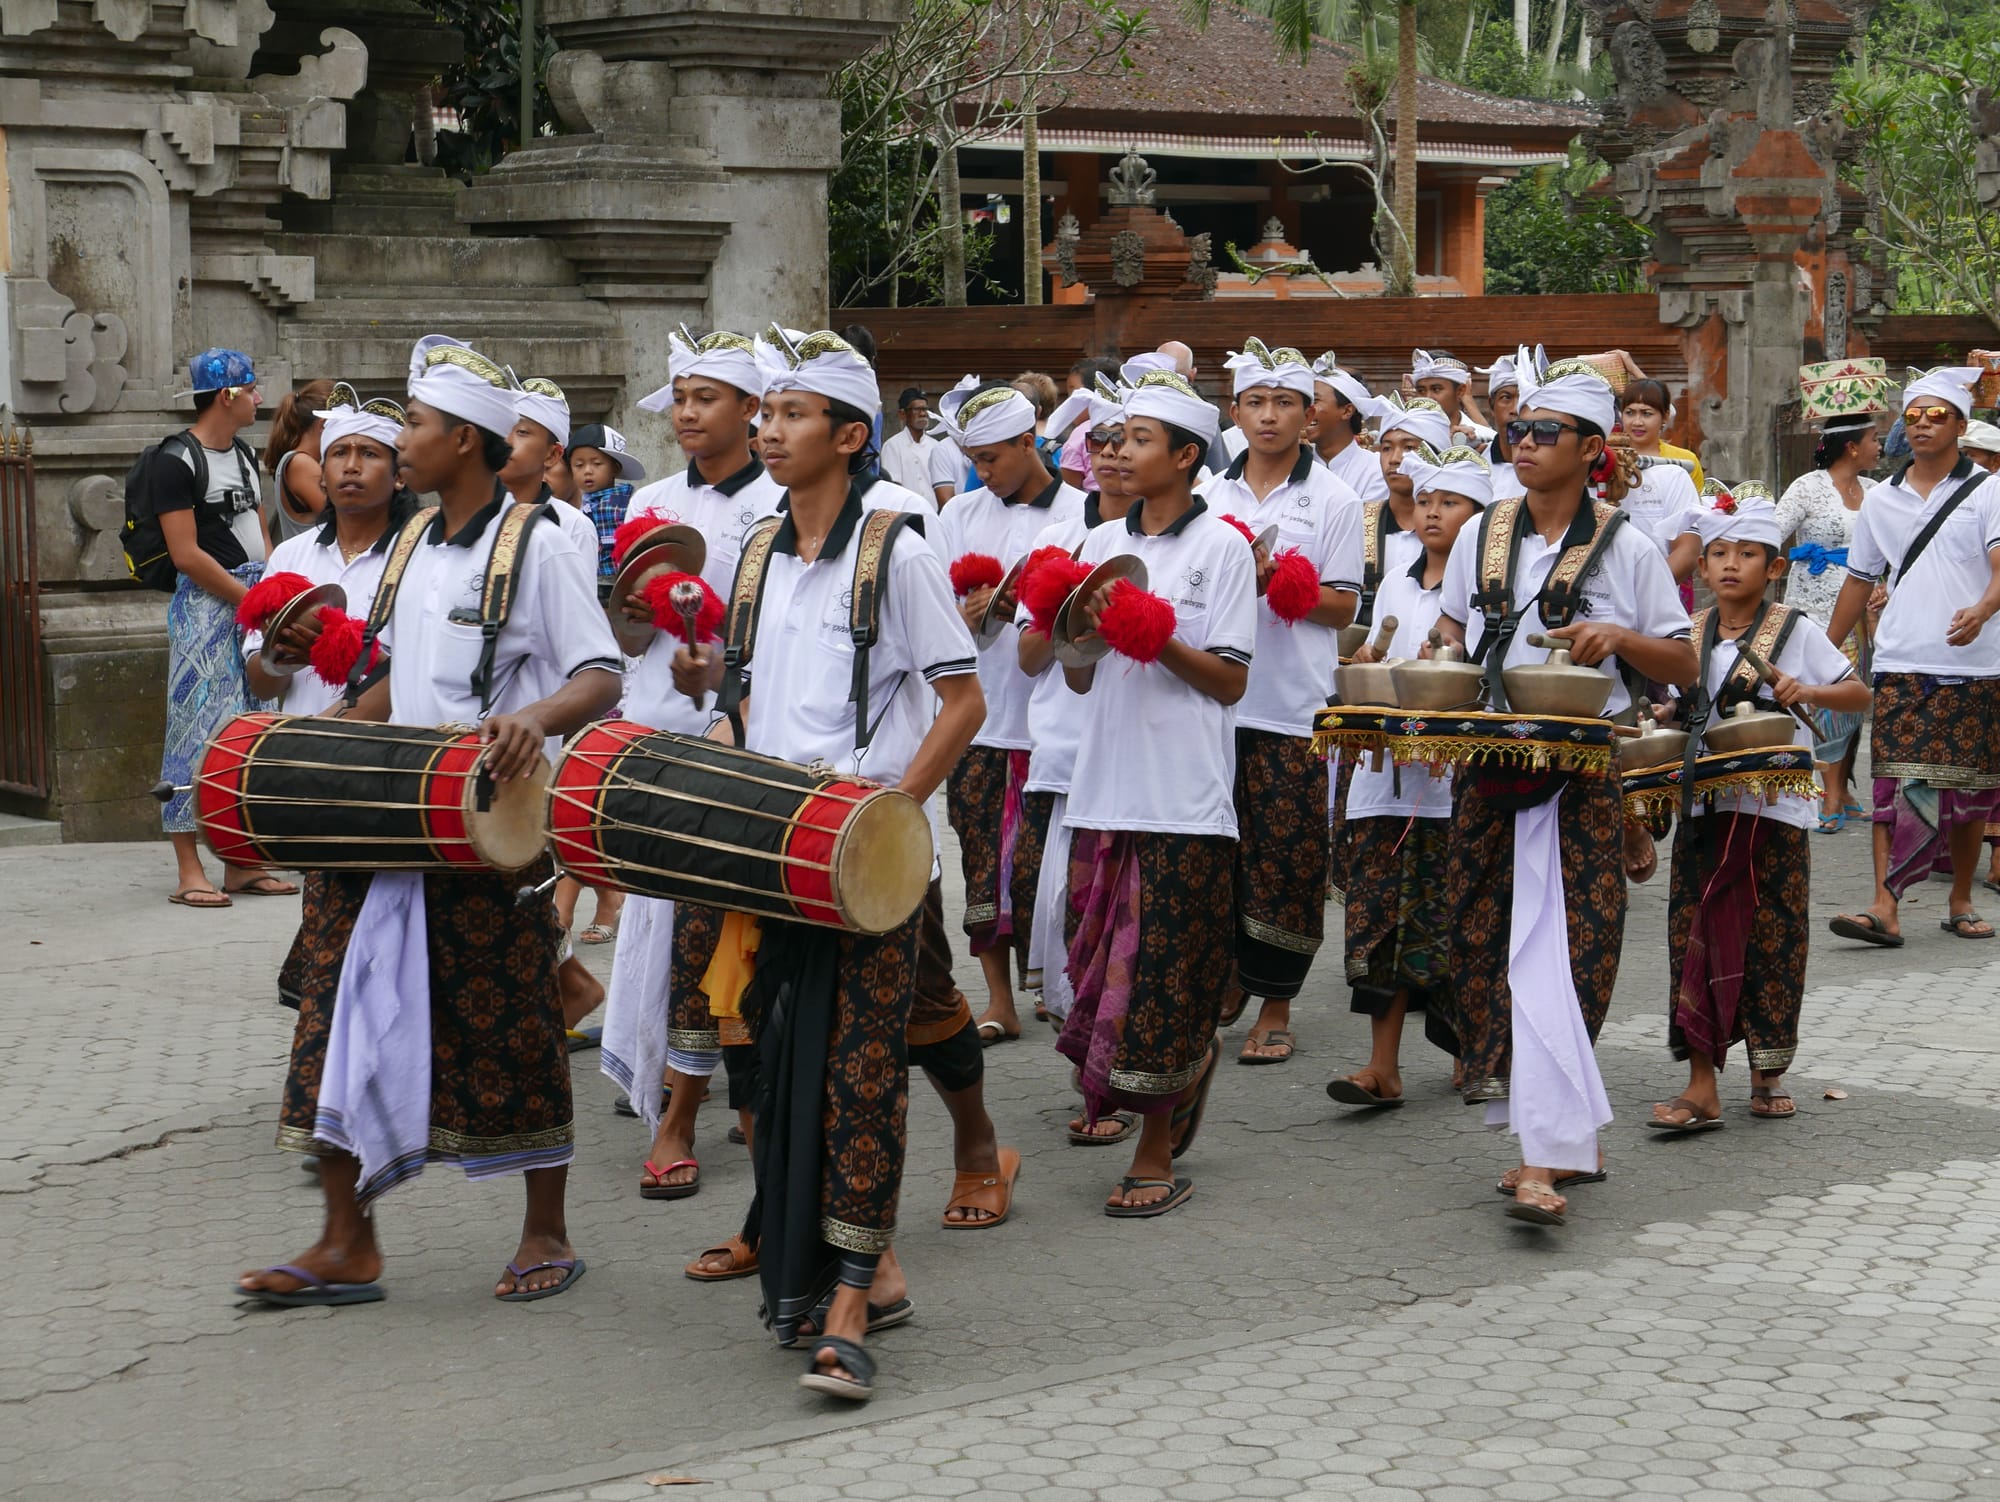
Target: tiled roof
{"x":1233,"y":71}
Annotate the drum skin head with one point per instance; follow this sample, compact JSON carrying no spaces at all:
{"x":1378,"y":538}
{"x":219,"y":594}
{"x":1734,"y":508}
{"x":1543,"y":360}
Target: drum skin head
{"x":883,"y":862}
{"x":511,"y":834}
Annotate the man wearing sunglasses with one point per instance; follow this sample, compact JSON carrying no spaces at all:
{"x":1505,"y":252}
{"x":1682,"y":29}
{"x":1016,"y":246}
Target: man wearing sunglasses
{"x":1931,"y":534}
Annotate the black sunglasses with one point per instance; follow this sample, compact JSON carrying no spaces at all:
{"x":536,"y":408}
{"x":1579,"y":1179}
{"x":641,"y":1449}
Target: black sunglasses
{"x":1547,"y":431}
{"x":1102,"y":436}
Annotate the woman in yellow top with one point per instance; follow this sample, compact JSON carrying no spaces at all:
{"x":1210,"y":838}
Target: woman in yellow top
{"x":1644,"y":408}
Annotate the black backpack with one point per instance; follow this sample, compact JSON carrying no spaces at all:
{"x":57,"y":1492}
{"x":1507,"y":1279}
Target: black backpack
{"x":146,"y":556}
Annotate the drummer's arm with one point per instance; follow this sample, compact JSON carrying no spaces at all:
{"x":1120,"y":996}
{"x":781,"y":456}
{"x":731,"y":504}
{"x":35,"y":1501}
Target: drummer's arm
{"x":961,"y":711}
{"x":517,"y":738}
{"x":1035,"y":652}
{"x":263,"y":685}
{"x":373,"y":705}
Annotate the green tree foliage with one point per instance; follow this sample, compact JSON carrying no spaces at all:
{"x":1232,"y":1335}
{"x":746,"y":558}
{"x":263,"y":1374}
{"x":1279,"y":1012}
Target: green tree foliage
{"x":485,"y":88}
{"x":1544,"y":236}
{"x":1909,"y":96}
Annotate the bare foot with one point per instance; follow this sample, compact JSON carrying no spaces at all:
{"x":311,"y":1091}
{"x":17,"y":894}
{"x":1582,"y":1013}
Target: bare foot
{"x":669,"y":1147}
{"x":335,"y":1262}
{"x":534,"y":1249}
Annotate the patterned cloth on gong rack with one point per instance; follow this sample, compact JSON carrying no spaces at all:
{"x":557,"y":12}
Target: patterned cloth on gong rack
{"x":1770,"y":773}
{"x":1477,"y":738}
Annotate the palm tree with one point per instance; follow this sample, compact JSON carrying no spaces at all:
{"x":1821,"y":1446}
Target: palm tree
{"x":1400,"y":279}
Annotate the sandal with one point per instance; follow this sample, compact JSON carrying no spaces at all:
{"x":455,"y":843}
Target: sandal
{"x":1564,"y":1182}
{"x":1832,"y":823}
{"x":1187,"y":1115}
{"x":598,"y":933}
{"x":1961,"y":925}
{"x":880,"y":1316}
{"x":1351,"y":1092}
{"x":572,"y":1270}
{"x":1181,"y":1189}
{"x":264,"y":886}
{"x":1866,"y":927}
{"x":998,"y":1035}
{"x":1539,"y":1214}
{"x":1771,"y":1095}
{"x":857,"y":1387}
{"x":984,"y":1191}
{"x":314,"y":1291}
{"x":189,"y":897}
{"x":1127,"y":1125}
{"x":1282,"y":1037}
{"x":1696,"y":1122}
{"x":742,"y":1262}
{"x":660,"y":1189}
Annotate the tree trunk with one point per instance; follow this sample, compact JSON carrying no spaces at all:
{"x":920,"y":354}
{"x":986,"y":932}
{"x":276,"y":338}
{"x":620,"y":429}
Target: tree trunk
{"x":1583,"y":50}
{"x":1522,"y":16}
{"x":1402,"y":280}
{"x":1554,"y":51}
{"x":1472,"y":14}
{"x":951,"y":221}
{"x":1031,"y":206}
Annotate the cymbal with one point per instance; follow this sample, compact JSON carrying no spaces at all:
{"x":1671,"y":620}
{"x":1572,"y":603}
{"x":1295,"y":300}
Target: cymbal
{"x":1077,"y":646}
{"x":670,"y":548}
{"x":289,"y":614}
{"x":991,"y":623}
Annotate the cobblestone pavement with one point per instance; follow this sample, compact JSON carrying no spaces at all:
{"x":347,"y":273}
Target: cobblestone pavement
{"x":1792,"y":1310}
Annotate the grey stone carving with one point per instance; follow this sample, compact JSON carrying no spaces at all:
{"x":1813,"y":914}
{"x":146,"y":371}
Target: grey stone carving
{"x":1128,"y":258}
{"x":1068,"y":232}
{"x":1132,"y":180}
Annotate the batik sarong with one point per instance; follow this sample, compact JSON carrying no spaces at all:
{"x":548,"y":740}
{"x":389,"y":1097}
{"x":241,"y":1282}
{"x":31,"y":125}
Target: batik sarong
{"x":1737,"y":934}
{"x":1943,"y":733}
{"x":1340,"y":854}
{"x":1281,"y":861}
{"x":1921,"y":818}
{"x":206,"y":686}
{"x":1000,"y":829}
{"x":1398,"y":923}
{"x":1151,"y":955}
{"x":499,"y":1065}
{"x":830,"y":1011}
{"x":694,"y":1032}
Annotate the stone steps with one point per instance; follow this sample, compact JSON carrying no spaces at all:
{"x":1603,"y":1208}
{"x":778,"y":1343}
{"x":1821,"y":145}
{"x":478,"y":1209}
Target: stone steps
{"x":454,"y":261}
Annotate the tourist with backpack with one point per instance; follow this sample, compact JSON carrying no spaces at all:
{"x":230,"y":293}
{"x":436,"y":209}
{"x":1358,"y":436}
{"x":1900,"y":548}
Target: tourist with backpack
{"x":193,"y":524}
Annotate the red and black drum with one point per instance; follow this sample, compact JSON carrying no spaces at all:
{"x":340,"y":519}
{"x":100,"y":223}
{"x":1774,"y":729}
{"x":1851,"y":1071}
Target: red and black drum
{"x":674,"y":816}
{"x":313,"y":794}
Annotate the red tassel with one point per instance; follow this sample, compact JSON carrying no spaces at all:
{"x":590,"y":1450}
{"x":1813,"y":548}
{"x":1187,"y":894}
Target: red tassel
{"x":1137,"y":623}
{"x":1293,"y":590}
{"x":1242,"y":526}
{"x":975,"y":571}
{"x":267,"y":597}
{"x":629,"y":532}
{"x":659,"y":594}
{"x":337,"y":647}
{"x":1048,"y":578}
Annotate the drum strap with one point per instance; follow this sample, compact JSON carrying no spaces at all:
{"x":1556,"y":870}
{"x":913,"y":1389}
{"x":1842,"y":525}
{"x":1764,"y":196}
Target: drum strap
{"x":1768,"y":632}
{"x":746,"y":599}
{"x":1500,"y":532}
{"x":384,"y":603}
{"x":1377,"y":522}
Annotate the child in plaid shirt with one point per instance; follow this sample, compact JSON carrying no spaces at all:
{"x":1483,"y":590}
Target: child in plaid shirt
{"x":605,"y":473}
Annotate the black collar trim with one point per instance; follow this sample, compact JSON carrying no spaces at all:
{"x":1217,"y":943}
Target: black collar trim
{"x":1299,"y":470}
{"x":1958,"y":471}
{"x":1092,"y":515}
{"x":1134,"y":525}
{"x":734,"y":482}
{"x":1041,"y":501}
{"x":787,"y":540}
{"x":475,"y":528}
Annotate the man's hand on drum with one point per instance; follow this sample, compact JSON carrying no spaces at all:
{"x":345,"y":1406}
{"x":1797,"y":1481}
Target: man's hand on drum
{"x":516,"y":740}
{"x":699,"y":671}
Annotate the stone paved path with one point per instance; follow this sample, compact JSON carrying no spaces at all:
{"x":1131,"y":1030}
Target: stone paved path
{"x":1800,"y":1310}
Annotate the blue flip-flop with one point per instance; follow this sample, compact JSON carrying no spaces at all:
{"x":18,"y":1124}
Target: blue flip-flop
{"x":574,"y":1270}
{"x":318,"y":1293}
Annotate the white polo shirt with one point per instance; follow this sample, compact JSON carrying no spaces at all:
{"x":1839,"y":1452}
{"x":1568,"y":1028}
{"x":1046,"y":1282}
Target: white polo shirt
{"x":947,"y":467}
{"x":1315,"y":512}
{"x":1953,"y":573}
{"x":1055,"y":715}
{"x":1156,"y":754}
{"x":578,"y":528}
{"x":802,"y":657}
{"x":721,"y":512}
{"x":981,"y":522}
{"x":555,"y":629}
{"x":1360,"y":470}
{"x":1630,"y":587}
{"x":887,"y":495}
{"x":906,"y":461}
{"x":1809,"y":657}
{"x":315,"y":554}
{"x":1409,"y":791}
{"x":1662,"y":503}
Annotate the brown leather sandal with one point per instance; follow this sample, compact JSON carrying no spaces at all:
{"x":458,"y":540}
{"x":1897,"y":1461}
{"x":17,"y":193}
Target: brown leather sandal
{"x":984,"y":1191}
{"x":742,"y":1262}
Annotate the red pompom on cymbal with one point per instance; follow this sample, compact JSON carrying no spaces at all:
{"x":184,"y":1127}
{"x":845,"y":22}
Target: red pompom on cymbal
{"x":1293,"y":589}
{"x":1242,"y":526}
{"x":267,"y":597}
{"x":975,"y":571}
{"x":1048,"y":578}
{"x":630,"y":531}
{"x":659,"y":597}
{"x":1136,"y":623}
{"x":338,"y":646}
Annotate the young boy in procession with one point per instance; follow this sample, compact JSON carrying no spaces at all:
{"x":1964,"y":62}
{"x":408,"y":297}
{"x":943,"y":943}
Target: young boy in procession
{"x":984,"y":533}
{"x":1341,"y":405}
{"x":1308,"y":581}
{"x":1151,"y":812}
{"x":1742,"y":871}
{"x":712,"y":395}
{"x":829,"y":1136}
{"x":1528,"y":1006}
{"x":1440,"y":376}
{"x":605,"y":472}
{"x":1399,"y":819}
{"x":538,"y":467}
{"x":1931,"y":533}
{"x":483,"y":1008}
{"x":1503,"y":398}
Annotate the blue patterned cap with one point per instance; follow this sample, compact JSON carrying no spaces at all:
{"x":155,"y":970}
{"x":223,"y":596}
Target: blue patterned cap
{"x":213,"y":369}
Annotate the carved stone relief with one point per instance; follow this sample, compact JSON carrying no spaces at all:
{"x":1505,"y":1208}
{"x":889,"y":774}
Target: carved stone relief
{"x":1128,"y":258}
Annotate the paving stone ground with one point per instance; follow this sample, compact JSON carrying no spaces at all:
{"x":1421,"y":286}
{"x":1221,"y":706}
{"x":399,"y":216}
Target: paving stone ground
{"x":1783,"y":1311}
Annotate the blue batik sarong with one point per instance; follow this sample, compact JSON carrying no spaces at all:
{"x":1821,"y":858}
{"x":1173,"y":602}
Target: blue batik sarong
{"x":206,"y":685}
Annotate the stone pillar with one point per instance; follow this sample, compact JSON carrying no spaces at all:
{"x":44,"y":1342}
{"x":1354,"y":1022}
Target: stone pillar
{"x":687,"y":124}
{"x":1462,"y":217}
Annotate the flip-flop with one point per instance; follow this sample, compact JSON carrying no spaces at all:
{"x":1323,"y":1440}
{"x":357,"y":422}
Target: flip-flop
{"x":264,"y":886}
{"x":1348,"y":1093}
{"x":1868,"y":928}
{"x":1181,"y":1188}
{"x":660,"y":1191}
{"x":984,"y":1191}
{"x":573,"y":1270}
{"x":1564,"y":1183}
{"x":1192,"y":1111}
{"x":581,"y":1038}
{"x":1277,"y":1035}
{"x":1536,"y":1215}
{"x":998,"y":1035}
{"x":735,"y":1136}
{"x":318,"y":1293}
{"x":742,"y":1262}
{"x":1956,"y":925}
{"x":1831,"y":823}
{"x":1989,"y":883}
{"x":1769,"y":1094}
{"x":1696,"y":1122}
{"x":880,"y":1316}
{"x":1127,"y":1125}
{"x":186,"y":895}
{"x":858,"y":1387}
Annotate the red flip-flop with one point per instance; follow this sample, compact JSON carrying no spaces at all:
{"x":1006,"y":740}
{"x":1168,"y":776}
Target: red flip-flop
{"x":660,"y":1190}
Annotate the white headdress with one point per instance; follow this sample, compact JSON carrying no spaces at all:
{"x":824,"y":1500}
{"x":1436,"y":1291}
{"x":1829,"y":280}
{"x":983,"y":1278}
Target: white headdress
{"x":1326,"y":369}
{"x":976,"y":412}
{"x":541,"y":400}
{"x":1260,"y":365}
{"x":1419,"y":415}
{"x":1745,"y":513}
{"x":1167,"y":396}
{"x":1462,"y":471}
{"x":349,"y":416}
{"x":1499,"y":375}
{"x":1947,"y":383}
{"x":1424,"y":364}
{"x":451,"y":376}
{"x":822,"y":363}
{"x":1573,"y":386}
{"x":721,"y":356}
